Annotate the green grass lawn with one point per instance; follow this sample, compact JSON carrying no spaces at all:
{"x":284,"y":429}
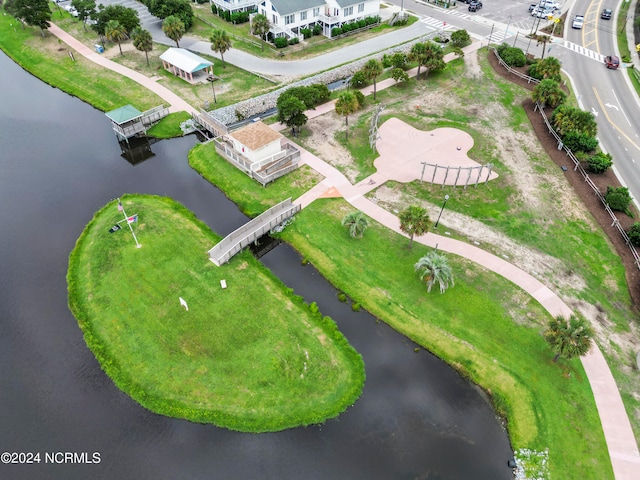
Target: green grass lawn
{"x":484,"y":326}
{"x":169,"y":126}
{"x":257,"y":198}
{"x":251,"y":357}
{"x":49,"y":60}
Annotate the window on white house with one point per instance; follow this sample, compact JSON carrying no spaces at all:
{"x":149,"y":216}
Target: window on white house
{"x":289,"y":19}
{"x":348,"y":11}
{"x":274,"y":19}
{"x":360,"y":7}
{"x":303,"y":15}
{"x":316,"y":11}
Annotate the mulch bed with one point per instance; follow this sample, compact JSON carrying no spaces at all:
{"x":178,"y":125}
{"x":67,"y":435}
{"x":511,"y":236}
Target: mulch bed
{"x":582,"y":189}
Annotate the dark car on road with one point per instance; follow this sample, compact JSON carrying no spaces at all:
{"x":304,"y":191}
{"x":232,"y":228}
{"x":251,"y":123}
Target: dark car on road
{"x":474,"y":6}
{"x":606,"y":14}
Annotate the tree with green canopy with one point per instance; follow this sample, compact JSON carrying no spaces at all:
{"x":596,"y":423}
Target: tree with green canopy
{"x":115,"y":32}
{"x":143,"y":41}
{"x":434,"y":268}
{"x":220,"y":43}
{"x":346,"y":104}
{"x":414,"y":220}
{"x":569,"y":337}
{"x":291,"y":112}
{"x":372,"y":70}
{"x":356,"y":222}
{"x":260,"y":26}
{"x":173,"y":28}
{"x":548,"y":93}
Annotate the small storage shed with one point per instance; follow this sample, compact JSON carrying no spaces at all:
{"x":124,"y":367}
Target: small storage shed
{"x":186,"y":65}
{"x":256,"y":141}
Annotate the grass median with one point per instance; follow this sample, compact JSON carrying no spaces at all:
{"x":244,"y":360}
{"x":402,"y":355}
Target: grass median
{"x":252,"y":357}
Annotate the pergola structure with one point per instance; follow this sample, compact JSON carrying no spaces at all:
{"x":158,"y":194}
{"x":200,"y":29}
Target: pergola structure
{"x":185,"y":64}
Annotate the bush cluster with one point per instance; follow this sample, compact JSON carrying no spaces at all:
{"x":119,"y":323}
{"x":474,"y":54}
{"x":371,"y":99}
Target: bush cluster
{"x":235,"y":17}
{"x":280,"y":42}
{"x":355,"y":25}
{"x":512,"y":56}
{"x":180,"y":9}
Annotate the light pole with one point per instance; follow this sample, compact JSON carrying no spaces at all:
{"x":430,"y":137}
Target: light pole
{"x":446,"y":197}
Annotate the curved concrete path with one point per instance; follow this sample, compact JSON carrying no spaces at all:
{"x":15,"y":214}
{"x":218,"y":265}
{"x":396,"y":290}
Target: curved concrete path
{"x":621,"y":443}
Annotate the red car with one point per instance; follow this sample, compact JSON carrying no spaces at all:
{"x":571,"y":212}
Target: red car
{"x":611,"y":61}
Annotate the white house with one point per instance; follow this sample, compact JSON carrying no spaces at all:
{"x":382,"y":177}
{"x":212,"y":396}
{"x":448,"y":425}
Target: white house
{"x":287,"y":17}
{"x":258,"y":150}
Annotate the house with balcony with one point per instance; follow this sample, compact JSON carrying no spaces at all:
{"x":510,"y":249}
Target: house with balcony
{"x":288,"y":17}
{"x":233,"y":6}
{"x":259,"y":151}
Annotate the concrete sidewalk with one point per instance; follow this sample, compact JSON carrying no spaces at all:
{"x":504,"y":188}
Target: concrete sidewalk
{"x":176,"y":104}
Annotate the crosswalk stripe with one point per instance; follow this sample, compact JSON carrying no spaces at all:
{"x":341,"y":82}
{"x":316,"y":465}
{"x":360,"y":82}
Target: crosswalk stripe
{"x":434,"y":22}
{"x":583,"y":51}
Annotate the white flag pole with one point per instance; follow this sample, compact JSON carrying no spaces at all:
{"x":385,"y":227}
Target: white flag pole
{"x":121,"y":208}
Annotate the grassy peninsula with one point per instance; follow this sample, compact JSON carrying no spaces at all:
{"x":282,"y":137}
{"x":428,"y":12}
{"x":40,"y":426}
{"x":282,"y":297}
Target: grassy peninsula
{"x":252,"y":357}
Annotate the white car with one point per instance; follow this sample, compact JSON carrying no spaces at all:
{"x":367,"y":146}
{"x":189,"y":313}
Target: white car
{"x":578,"y":22}
{"x":550,"y":4}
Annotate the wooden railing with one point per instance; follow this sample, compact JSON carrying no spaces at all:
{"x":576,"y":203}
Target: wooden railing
{"x":578,"y":167}
{"x":512,"y":70}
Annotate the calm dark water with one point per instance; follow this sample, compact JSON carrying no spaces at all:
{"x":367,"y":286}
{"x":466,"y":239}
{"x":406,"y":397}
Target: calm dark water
{"x":59,"y":162}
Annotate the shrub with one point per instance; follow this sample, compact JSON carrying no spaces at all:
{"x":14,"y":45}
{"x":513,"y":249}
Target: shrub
{"x":532,"y":71}
{"x":372,"y":20}
{"x":280,"y":42}
{"x":317,"y":29}
{"x":460,"y":38}
{"x":306,"y":32}
{"x":580,"y":142}
{"x":360,"y":97}
{"x":342,"y":296}
{"x":386,"y":61}
{"x":355,"y":307}
{"x":399,"y":75}
{"x":214,"y":9}
{"x":618,"y":198}
{"x":294,"y":41}
{"x":358,"y":80}
{"x":398,"y":60}
{"x":239,"y":17}
{"x":514,"y":57}
{"x":600,"y":162}
{"x":336,"y":31}
{"x":322,"y":91}
{"x":634,"y":234}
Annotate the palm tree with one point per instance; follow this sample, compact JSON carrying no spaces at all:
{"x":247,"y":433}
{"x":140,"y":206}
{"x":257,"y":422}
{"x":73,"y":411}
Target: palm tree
{"x":260,"y":26}
{"x":434,"y":58}
{"x":220,"y":42}
{"x":173,"y":28}
{"x":356,"y":222}
{"x":548,"y":92}
{"x":542,"y":39}
{"x":372,"y":70}
{"x":142,"y":41}
{"x":549,"y":68}
{"x":418,"y":55}
{"x":414,"y":221}
{"x":115,"y":32}
{"x":569,"y":337}
{"x":434,"y":268}
{"x":346,"y":104}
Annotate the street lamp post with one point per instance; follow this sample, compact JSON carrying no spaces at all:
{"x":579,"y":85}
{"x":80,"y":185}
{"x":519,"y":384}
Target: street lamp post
{"x":446,"y":197}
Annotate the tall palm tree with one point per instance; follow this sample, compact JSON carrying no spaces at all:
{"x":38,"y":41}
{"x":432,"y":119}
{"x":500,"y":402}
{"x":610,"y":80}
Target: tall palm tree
{"x":173,"y":28}
{"x":569,"y":337}
{"x":260,"y":26}
{"x":434,"y":268}
{"x":220,"y":42}
{"x":372,"y":70}
{"x":418,"y":54}
{"x":434,"y":58}
{"x":115,"y":32}
{"x":346,"y":104}
{"x":543,"y":39}
{"x":414,"y":220}
{"x":356,"y":222}
{"x":143,"y":41}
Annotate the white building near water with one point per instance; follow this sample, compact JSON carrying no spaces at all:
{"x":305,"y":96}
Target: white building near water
{"x":287,"y":17}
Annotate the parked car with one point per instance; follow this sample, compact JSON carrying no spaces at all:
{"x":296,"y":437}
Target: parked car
{"x":612,"y":62}
{"x":542,"y":13}
{"x":532,"y":7}
{"x":606,"y":14}
{"x":578,"y":22}
{"x":474,"y":6}
{"x":550,"y":4}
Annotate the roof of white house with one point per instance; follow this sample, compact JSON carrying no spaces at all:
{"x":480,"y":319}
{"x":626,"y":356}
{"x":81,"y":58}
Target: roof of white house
{"x":185,"y":60}
{"x":348,"y":3}
{"x":256,"y":135}
{"x":286,"y":7}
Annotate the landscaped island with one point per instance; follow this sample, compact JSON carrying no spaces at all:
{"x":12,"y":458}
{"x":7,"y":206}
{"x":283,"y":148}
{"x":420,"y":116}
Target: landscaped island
{"x":251,"y":357}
